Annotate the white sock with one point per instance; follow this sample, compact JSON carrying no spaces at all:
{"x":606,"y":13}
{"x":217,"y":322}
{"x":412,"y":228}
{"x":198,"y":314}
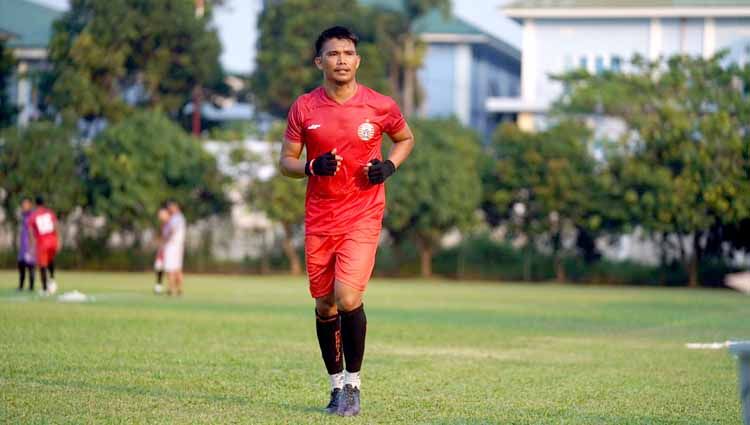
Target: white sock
{"x":337,"y":380}
{"x":352,"y":378}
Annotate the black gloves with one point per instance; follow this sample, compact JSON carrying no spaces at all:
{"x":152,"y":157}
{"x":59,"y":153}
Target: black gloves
{"x":379,"y":171}
{"x":324,"y":165}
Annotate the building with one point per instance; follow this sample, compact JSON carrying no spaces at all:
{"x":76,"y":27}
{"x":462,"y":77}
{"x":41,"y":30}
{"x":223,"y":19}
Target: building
{"x":605,"y":34}
{"x":27,"y":28}
{"x":464,"y":67}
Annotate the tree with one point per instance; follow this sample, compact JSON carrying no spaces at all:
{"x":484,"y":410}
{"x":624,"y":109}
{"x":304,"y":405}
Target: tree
{"x":134,"y":166}
{"x":288,"y":31}
{"x":283,"y":200}
{"x":683,"y":161}
{"x":437,"y":189}
{"x":40,"y":159}
{"x":7,"y":67}
{"x":110,"y":56}
{"x":542,"y":182}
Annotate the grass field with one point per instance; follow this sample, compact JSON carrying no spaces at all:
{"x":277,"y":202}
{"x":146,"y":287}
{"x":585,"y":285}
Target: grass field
{"x":243,"y":350}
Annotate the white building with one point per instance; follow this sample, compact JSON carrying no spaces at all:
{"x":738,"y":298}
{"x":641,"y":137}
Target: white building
{"x":604,"y":34}
{"x":27,"y":28}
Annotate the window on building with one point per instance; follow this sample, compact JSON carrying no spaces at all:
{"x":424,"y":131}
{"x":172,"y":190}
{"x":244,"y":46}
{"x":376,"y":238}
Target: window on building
{"x":599,"y":64}
{"x":615,"y":64}
{"x":583,"y":62}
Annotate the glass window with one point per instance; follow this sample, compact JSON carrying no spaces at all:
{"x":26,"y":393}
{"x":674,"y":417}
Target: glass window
{"x":583,"y":62}
{"x":599,"y":64}
{"x":615,"y":63}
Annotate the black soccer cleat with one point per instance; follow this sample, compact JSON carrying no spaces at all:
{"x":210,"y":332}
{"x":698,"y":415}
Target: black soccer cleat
{"x":349,"y":401}
{"x":333,"y":405}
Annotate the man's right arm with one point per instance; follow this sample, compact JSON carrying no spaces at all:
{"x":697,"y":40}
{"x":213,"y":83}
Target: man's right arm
{"x":289,"y":163}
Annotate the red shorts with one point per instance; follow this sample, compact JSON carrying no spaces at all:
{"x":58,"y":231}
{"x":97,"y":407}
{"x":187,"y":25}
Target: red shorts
{"x":45,"y":252}
{"x":347,"y":258}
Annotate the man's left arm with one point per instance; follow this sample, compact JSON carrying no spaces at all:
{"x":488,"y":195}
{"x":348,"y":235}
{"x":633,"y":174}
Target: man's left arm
{"x":403,"y":142}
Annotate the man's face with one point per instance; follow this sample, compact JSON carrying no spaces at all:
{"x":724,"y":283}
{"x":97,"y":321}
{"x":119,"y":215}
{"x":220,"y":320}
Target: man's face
{"x":338,"y":60}
{"x":26,"y":205}
{"x":173,"y":208}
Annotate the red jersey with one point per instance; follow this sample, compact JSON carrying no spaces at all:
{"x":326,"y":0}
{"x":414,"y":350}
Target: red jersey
{"x":347,"y":201}
{"x":43,"y":223}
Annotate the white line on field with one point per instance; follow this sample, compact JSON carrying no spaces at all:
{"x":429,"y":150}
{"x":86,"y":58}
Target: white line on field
{"x":707,"y":345}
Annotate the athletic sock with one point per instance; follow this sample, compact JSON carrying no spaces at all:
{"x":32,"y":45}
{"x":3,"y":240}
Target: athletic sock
{"x":51,"y":268}
{"x":329,"y":339}
{"x":353,"y":330}
{"x":21,"y":274}
{"x":31,"y":278}
{"x":43,"y":274}
{"x":352,"y":378}
{"x":159,"y":276}
{"x":337,"y":380}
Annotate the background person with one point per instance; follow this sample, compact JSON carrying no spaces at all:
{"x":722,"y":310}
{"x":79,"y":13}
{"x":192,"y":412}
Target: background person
{"x":25,"y":246}
{"x":43,"y":224}
{"x":174,"y":248}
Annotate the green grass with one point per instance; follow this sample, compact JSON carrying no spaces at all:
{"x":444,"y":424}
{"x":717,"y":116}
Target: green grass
{"x":243,"y":350}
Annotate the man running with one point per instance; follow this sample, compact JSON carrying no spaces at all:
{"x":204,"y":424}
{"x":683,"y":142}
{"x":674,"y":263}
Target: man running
{"x":340,"y":125}
{"x":43,"y":224}
{"x":25,"y":246}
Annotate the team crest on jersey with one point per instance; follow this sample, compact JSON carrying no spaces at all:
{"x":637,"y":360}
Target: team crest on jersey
{"x":365,"y":131}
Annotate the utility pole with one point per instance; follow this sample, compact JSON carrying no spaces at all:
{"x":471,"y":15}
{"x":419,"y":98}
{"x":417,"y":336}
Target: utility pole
{"x":197,"y":90}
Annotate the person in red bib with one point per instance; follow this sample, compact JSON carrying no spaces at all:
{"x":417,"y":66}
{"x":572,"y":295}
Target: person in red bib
{"x":43,"y":224}
{"x":341,"y":125}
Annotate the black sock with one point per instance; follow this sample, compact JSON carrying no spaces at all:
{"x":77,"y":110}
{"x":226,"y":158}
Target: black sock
{"x":353,"y":330}
{"x":43,"y":274}
{"x":329,"y":339}
{"x":31,"y":278}
{"x":51,"y":268}
{"x":159,"y":275}
{"x":21,"y":274}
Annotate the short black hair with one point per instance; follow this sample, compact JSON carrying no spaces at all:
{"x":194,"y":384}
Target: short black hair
{"x":339,"y":32}
{"x":39,"y":200}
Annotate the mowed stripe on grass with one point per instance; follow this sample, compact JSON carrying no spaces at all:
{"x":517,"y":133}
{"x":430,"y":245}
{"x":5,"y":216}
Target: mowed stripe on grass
{"x":238,"y":349}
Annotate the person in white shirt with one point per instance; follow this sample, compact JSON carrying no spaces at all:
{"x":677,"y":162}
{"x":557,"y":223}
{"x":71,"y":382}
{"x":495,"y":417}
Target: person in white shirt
{"x":174,"y":248}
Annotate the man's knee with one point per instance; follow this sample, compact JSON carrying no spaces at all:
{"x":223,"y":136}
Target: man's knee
{"x":326,"y":306}
{"x":348,"y":301}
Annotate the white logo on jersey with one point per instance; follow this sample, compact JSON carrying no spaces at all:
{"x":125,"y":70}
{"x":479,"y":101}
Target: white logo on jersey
{"x":44,"y":224}
{"x":365,"y":131}
{"x":313,"y":126}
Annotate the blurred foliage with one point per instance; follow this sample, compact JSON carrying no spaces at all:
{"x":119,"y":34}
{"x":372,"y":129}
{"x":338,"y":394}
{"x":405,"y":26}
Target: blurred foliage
{"x":154,"y":53}
{"x":135,"y":166}
{"x":7,"y":67}
{"x":682,"y":167}
{"x":40,"y":159}
{"x":437,"y":189}
{"x":282,"y":199}
{"x":541,"y":184}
